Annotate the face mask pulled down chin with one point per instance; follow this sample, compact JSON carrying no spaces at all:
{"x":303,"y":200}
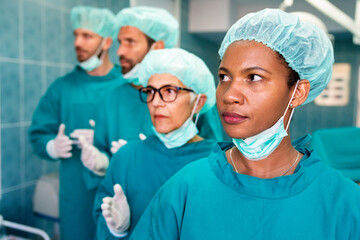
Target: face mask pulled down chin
{"x":94,"y":61}
{"x":182,"y":135}
{"x":261,"y":145}
{"x":133,"y":75}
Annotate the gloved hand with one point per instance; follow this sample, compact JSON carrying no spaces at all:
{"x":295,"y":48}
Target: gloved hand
{"x":92,"y":158}
{"x":116,"y":212}
{"x":116,"y":145}
{"x":88,"y":134}
{"x":60,"y":146}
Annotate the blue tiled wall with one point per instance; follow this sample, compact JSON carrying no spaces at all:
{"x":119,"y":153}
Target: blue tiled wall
{"x":36,"y":47}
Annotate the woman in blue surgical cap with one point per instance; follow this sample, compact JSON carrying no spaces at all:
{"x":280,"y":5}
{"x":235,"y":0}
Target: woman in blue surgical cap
{"x":260,"y":186}
{"x":177,"y":87}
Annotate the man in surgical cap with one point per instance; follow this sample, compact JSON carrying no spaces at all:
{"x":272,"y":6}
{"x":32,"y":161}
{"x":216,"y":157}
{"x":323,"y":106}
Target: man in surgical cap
{"x":138,"y":30}
{"x":67,"y":111}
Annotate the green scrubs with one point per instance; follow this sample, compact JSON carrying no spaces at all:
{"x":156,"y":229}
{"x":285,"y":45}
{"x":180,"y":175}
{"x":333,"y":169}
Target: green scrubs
{"x":207,"y":199}
{"x":141,"y":167}
{"x":72,"y":100}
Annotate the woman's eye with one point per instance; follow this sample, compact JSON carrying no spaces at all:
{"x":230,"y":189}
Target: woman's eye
{"x":224,"y":78}
{"x":255,"y":78}
{"x":169,"y":90}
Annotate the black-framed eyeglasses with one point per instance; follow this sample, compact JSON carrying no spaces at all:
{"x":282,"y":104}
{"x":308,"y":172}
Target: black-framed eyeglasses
{"x":168,"y":93}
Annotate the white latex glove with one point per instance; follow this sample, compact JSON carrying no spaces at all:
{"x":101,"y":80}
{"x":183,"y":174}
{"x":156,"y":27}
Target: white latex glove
{"x":88,"y":134}
{"x":92,"y":158}
{"x":116,"y":145}
{"x":116,"y":212}
{"x":60,"y":146}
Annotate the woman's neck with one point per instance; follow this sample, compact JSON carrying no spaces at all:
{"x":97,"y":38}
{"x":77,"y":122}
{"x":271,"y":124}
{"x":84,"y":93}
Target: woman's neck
{"x":282,"y":161}
{"x":196,"y":138}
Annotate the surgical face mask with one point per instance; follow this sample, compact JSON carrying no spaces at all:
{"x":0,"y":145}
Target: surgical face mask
{"x":182,"y":135}
{"x":133,"y":75}
{"x":263,"y":144}
{"x":94,"y":61}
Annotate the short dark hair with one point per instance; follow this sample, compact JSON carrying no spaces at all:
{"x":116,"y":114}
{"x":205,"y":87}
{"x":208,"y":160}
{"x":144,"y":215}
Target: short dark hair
{"x":293,"y":76}
{"x":149,"y":40}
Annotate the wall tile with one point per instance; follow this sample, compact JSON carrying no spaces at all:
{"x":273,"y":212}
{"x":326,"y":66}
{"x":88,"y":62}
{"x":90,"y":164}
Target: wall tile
{"x":32,"y":89}
{"x":10,"y":157}
{"x":10,"y":96}
{"x":34,"y":166}
{"x":9,"y":28}
{"x":71,"y":3}
{"x":32,"y":30}
{"x":68,"y":44}
{"x":52,"y":73}
{"x":53,"y":38}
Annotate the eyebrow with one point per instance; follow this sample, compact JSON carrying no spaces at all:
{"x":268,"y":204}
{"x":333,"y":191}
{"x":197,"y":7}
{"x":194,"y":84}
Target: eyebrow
{"x":246,"y":69}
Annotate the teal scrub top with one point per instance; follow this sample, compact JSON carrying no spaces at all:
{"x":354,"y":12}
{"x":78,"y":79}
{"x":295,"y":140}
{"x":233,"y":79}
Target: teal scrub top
{"x":126,"y":117}
{"x":72,"y":100}
{"x":141,"y":167}
{"x":207,"y":199}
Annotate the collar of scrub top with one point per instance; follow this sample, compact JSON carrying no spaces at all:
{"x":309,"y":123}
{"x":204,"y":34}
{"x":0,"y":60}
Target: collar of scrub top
{"x":308,"y":169}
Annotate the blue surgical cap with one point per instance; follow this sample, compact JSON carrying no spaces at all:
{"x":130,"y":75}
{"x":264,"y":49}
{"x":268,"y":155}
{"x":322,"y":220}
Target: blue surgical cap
{"x":98,"y":20}
{"x":187,"y":67}
{"x":156,"y":23}
{"x":305,"y":47}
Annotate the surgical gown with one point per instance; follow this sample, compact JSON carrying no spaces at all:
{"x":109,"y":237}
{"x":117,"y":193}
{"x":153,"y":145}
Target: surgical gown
{"x":207,"y":199}
{"x":141,"y":167}
{"x":72,"y":100}
{"x":128,"y":117}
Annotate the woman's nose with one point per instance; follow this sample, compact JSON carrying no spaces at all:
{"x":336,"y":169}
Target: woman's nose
{"x":157,"y":101}
{"x":234,"y":93}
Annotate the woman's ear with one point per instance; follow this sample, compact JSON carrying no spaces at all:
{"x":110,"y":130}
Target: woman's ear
{"x":201,"y":102}
{"x":107,"y":43}
{"x":158,"y":45}
{"x":301,"y":93}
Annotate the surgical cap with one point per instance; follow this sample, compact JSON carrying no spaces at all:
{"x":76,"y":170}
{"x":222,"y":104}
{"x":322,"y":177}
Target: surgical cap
{"x":156,"y":23}
{"x":305,"y":47}
{"x":187,"y":67}
{"x":98,"y":20}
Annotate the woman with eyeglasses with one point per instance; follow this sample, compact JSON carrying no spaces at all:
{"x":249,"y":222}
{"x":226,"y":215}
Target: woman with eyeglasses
{"x":178,"y":87}
{"x":261,"y":185}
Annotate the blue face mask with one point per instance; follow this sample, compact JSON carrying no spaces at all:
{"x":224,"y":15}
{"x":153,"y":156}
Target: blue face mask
{"x":94,"y":61}
{"x":263,"y":144}
{"x":182,"y":135}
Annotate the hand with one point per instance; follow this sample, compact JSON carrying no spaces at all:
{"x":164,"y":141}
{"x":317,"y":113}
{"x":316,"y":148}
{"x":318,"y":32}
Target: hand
{"x":61,"y":146}
{"x":88,"y":134}
{"x":92,"y":158}
{"x":116,"y":145}
{"x":116,"y":211}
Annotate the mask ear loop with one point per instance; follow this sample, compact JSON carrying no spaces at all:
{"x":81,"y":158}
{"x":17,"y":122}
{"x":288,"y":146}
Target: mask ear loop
{"x":100,"y":51}
{"x":193,"y":111}
{"x":292,"y":110}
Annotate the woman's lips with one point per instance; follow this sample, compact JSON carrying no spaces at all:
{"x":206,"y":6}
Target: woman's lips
{"x":233,"y":118}
{"x":160,"y":116}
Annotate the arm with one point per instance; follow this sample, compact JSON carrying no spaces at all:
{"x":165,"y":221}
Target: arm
{"x":106,"y":190}
{"x":46,"y":121}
